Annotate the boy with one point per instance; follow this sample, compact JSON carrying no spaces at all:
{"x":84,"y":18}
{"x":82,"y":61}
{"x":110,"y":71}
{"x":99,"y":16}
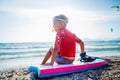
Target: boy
{"x":65,"y":44}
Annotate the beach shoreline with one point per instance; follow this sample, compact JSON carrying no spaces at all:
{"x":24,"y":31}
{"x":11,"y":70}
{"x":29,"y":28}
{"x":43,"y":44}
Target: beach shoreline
{"x":110,"y":72}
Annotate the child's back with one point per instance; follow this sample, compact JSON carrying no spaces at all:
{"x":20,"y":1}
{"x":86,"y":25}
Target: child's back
{"x":66,"y":41}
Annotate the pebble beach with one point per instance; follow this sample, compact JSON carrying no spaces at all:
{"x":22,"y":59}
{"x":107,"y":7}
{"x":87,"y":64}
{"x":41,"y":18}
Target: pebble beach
{"x":110,"y":72}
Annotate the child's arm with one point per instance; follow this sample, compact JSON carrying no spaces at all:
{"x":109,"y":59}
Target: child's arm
{"x":55,"y":52}
{"x":83,"y":53}
{"x":81,"y":43}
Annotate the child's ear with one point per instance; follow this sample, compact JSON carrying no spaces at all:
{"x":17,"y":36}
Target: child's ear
{"x":52,"y":30}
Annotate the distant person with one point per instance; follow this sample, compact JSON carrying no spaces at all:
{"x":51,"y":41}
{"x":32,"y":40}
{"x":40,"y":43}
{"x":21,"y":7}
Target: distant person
{"x":64,"y":49}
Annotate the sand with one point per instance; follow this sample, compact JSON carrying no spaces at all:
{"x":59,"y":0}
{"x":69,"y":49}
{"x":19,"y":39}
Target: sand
{"x":110,"y":72}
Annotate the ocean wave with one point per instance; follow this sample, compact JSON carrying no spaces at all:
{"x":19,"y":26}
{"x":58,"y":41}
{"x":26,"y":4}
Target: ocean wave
{"x":24,"y":45}
{"x":4,"y":57}
{"x":102,"y":49}
{"x":22,"y":52}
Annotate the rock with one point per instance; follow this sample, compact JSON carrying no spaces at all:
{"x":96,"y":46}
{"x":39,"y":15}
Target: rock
{"x":2,"y":77}
{"x":89,"y":78}
{"x":9,"y":75}
{"x":25,"y":73}
{"x":18,"y":73}
{"x":33,"y":75}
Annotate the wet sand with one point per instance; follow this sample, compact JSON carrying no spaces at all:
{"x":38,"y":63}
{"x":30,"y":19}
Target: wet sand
{"x":110,"y":72}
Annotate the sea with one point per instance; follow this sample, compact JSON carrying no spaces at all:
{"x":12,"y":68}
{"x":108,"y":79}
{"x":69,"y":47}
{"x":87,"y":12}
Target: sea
{"x":24,"y":54}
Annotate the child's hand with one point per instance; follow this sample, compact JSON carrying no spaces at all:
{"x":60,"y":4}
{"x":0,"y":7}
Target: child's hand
{"x":82,"y":54}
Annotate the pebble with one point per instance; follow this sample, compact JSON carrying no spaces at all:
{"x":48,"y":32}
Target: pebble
{"x":8,"y":75}
{"x":2,"y":77}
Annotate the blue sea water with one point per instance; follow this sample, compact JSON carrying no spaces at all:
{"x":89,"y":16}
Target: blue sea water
{"x":29,"y":53}
{"x":35,"y":49}
{"x":22,"y":50}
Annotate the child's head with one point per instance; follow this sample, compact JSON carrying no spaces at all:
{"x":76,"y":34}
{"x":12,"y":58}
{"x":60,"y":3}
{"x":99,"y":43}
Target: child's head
{"x":59,"y":21}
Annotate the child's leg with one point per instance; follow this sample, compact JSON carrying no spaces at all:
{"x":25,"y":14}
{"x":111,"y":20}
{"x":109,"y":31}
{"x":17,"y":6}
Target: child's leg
{"x":49,"y":53}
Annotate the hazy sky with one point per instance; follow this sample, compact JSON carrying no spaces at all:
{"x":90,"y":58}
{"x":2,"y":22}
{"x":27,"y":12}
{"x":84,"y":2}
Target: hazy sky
{"x":31,"y":20}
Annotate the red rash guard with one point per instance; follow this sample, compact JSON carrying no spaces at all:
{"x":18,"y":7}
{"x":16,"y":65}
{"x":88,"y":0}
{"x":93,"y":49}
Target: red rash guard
{"x":66,"y":42}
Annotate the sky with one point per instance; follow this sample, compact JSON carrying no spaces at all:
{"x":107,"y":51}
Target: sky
{"x":31,"y":20}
